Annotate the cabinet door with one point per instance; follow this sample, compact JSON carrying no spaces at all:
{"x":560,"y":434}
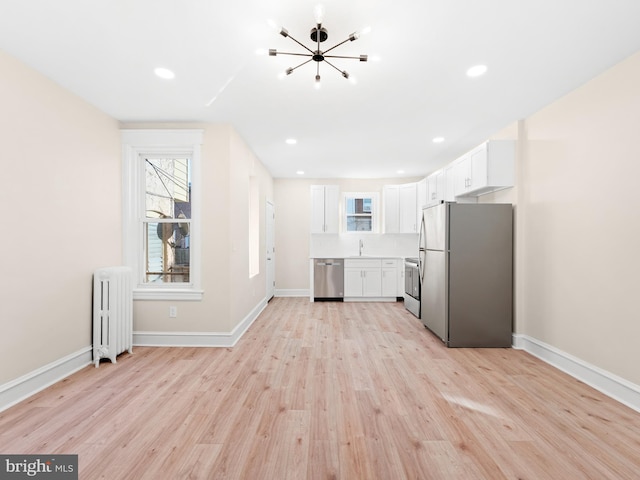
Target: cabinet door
{"x":478,"y":167}
{"x":390,"y":282}
{"x":449,"y":183}
{"x":435,"y":187}
{"x":317,"y":209}
{"x":331,"y":208}
{"x":422,"y":199}
{"x":324,"y":208}
{"x":408,"y":207}
{"x":462,"y":173}
{"x":391,"y":195}
{"x":352,"y":282}
{"x":371,"y":282}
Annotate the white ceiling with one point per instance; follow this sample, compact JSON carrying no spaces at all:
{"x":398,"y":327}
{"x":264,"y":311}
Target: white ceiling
{"x":536,"y":51}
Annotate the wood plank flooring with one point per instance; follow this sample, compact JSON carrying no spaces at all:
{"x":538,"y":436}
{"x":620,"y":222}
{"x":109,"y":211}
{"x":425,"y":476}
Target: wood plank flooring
{"x":329,"y":391}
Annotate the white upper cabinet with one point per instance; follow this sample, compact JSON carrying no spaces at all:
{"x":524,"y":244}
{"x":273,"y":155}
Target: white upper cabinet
{"x":400,"y":208}
{"x":486,"y":168}
{"x":449,"y":183}
{"x":462,"y":175}
{"x":422,"y":195}
{"x":391,"y":196}
{"x":408,"y":208}
{"x":324,"y":208}
{"x":435,"y":187}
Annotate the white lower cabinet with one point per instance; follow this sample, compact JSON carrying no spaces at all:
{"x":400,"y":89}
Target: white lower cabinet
{"x":370,"y":278}
{"x":390,"y":273}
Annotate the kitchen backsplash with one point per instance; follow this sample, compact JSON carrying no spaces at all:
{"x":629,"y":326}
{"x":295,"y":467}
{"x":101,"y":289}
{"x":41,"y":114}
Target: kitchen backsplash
{"x":347,"y":245}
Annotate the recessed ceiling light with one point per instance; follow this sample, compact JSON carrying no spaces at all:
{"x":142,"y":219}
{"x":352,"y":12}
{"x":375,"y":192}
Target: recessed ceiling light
{"x":438,"y":140}
{"x":477,"y":70}
{"x":400,"y":172}
{"x":291,"y":141}
{"x":164,"y":73}
{"x":300,"y":172}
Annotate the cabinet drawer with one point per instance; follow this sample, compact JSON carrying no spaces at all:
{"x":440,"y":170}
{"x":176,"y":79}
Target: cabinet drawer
{"x":389,"y":262}
{"x":362,"y":263}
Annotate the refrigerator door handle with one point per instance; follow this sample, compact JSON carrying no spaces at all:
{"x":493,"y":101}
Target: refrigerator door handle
{"x":422,"y":248}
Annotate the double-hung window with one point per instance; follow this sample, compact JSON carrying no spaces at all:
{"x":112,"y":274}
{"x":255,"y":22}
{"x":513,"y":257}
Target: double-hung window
{"x":360,"y":212}
{"x":162,"y":212}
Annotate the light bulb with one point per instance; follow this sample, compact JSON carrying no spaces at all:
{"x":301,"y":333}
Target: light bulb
{"x":318,"y":13}
{"x":477,"y":71}
{"x":164,"y":73}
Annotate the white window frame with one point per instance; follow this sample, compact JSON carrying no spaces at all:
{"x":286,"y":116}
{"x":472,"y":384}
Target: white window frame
{"x":136,"y":144}
{"x":375,"y":211}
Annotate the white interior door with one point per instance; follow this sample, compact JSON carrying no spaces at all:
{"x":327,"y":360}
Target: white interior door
{"x":271,"y":250}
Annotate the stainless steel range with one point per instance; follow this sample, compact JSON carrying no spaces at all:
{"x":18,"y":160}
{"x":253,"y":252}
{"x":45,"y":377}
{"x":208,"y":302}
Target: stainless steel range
{"x":412,"y":285}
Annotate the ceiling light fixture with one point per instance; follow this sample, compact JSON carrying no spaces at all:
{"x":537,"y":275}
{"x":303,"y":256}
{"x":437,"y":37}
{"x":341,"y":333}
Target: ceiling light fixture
{"x":318,"y":35}
{"x":291,"y":141}
{"x":438,"y":140}
{"x":164,"y":73}
{"x":477,"y":71}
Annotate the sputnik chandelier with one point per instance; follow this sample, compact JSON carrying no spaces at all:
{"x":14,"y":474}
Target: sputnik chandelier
{"x":318,"y":35}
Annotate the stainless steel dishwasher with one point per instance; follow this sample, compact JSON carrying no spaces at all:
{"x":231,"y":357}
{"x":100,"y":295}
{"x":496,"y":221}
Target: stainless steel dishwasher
{"x":328,"y":279}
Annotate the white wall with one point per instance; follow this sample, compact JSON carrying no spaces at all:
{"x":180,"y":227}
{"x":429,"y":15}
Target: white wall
{"x":578,"y":208}
{"x":60,"y":191}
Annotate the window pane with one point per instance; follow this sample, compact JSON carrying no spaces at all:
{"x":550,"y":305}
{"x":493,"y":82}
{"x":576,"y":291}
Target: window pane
{"x":168,"y":188}
{"x":359,"y":224}
{"x":358,"y":205}
{"x":351,"y":205}
{"x":167,"y":252}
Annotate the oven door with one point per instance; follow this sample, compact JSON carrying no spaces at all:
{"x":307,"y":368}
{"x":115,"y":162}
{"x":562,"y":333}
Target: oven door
{"x":412,"y":280}
{"x":408,"y":278}
{"x":412,"y":288}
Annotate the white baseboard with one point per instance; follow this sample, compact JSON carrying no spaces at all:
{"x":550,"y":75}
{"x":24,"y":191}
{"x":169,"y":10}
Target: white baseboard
{"x":292,"y":292}
{"x":611,"y":385}
{"x":198,"y":339}
{"x":21,"y":388}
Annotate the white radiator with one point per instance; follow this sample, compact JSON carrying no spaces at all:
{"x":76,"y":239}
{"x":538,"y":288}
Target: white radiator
{"x":112,"y":313}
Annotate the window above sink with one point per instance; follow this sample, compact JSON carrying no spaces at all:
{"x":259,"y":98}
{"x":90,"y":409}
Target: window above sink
{"x":360,"y":212}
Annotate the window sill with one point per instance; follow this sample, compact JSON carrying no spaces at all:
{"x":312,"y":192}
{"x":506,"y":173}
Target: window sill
{"x":167,"y":294}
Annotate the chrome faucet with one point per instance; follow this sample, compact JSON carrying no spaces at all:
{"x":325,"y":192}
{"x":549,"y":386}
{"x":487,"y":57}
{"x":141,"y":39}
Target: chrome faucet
{"x":361,"y":245}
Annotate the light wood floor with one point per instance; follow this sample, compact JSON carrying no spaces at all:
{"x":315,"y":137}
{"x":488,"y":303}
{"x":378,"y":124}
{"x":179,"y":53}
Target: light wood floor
{"x":329,"y":391}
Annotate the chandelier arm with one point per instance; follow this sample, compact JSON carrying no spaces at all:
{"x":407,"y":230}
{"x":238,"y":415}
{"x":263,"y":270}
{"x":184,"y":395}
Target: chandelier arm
{"x":331,"y":64}
{"x":337,"y":56}
{"x":296,"y":54}
{"x":301,"y":44}
{"x":303,"y":63}
{"x":337,"y":45}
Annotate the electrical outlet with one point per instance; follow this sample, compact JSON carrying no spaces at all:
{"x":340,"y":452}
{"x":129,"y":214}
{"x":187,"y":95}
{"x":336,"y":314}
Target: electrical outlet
{"x":173,"y":311}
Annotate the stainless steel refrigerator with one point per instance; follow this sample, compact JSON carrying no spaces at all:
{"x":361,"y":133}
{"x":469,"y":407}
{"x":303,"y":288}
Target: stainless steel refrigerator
{"x":466,"y":268}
